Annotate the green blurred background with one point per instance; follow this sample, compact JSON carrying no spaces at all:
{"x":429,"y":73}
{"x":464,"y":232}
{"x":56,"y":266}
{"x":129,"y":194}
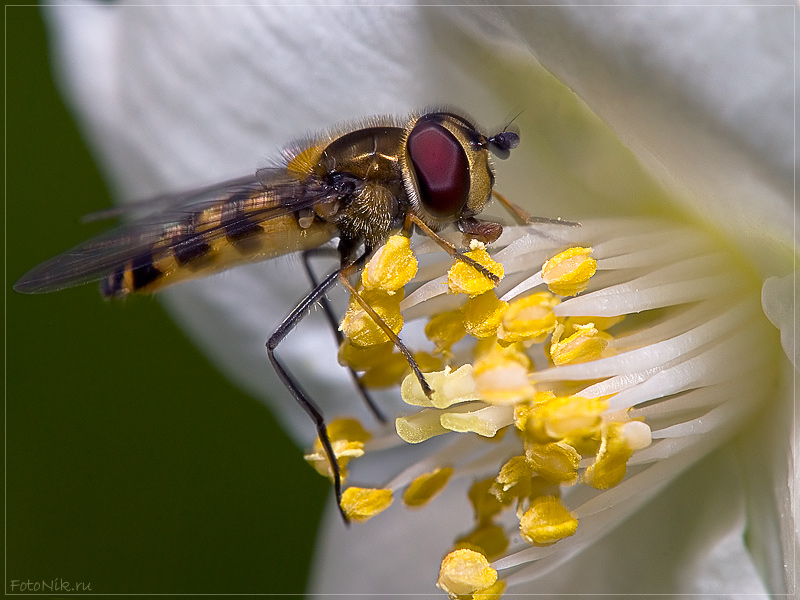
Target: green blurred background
{"x":131,"y":464}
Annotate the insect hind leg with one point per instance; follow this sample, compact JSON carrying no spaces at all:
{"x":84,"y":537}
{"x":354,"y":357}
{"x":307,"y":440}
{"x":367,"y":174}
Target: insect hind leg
{"x":300,"y":396}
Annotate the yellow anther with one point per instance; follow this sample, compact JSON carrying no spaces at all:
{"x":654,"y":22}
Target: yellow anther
{"x":391,"y":267}
{"x":362,"y":358}
{"x":563,"y":416}
{"x":445,"y":329}
{"x":601,"y":323}
{"x":514,"y":480}
{"x":428,"y":363}
{"x":347,"y":429}
{"x":526,"y":421}
{"x":529,"y":319}
{"x":528,"y":488}
{"x":347,"y":438}
{"x":493,"y":592}
{"x":568,"y":273}
{"x":420,"y":426}
{"x":485,"y":347}
{"x":361,"y":504}
{"x":526,"y":412}
{"x":485,"y":421}
{"x":426,"y":487}
{"x":547,"y":521}
{"x":572,"y":415}
{"x":556,"y":462}
{"x":484,"y":503}
{"x":488,"y":539}
{"x":390,"y":371}
{"x":501,"y":377}
{"x":342,"y":450}
{"x":483,"y":314}
{"x":465,"y":279}
{"x":465,"y":572}
{"x":459,"y":545}
{"x":587,"y":343}
{"x":619,"y":442}
{"x":587,"y":442}
{"x":449,"y":387}
{"x":544,"y":398}
{"x":394,"y":367}
{"x":490,"y":348}
{"x":361,"y":329}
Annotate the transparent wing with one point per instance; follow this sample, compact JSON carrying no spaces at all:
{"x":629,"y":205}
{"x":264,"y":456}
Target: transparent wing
{"x":174,"y":222}
{"x":165,"y":202}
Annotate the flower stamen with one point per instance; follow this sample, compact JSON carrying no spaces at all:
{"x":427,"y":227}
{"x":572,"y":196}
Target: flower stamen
{"x":573,"y":404}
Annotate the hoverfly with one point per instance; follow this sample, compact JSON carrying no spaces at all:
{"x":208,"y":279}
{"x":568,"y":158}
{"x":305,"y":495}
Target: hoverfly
{"x":429,"y":171}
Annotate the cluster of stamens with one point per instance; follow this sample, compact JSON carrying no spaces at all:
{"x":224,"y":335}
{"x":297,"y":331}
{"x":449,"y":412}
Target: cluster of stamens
{"x":498,"y":369}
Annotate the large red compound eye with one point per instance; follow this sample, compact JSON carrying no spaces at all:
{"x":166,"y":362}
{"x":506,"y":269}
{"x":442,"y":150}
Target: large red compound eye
{"x":442,"y":169}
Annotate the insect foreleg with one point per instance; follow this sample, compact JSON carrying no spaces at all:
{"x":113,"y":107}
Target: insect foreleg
{"x":302,"y":398}
{"x":452,"y":250}
{"x":326,"y":308}
{"x":391,"y":335}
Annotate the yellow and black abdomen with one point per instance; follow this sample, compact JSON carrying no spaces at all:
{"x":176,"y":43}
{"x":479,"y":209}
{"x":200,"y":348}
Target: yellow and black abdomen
{"x":215,"y":239}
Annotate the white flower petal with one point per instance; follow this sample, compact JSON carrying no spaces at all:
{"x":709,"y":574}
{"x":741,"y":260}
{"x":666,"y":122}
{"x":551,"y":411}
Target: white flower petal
{"x":177,"y":96}
{"x":780,"y":295}
{"x":703,"y":95}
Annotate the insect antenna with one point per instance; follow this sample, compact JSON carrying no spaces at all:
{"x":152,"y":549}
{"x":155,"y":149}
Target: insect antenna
{"x":524,"y":217}
{"x":514,"y":118}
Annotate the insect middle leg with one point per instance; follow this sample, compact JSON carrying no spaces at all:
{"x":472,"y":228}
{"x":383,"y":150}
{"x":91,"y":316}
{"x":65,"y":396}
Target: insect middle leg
{"x":331,"y":318}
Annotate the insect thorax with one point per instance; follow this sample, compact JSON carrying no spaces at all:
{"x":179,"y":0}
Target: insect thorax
{"x":378,"y":202}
